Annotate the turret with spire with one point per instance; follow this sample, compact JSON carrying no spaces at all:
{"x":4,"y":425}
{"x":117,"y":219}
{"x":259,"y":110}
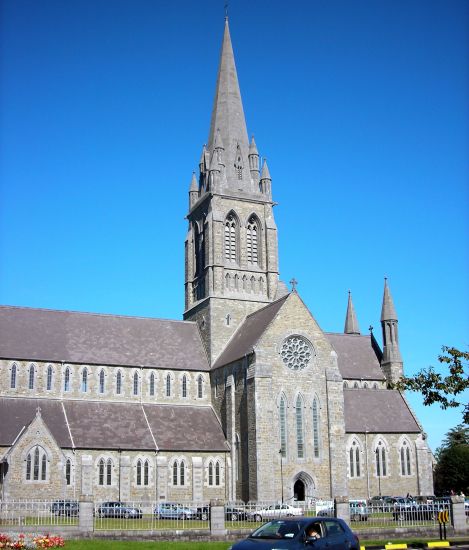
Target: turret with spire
{"x":391,"y":362}
{"x":351,"y":323}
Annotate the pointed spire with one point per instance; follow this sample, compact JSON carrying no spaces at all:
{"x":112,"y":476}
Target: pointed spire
{"x":265,"y":174}
{"x":351,"y":323}
{"x":228,"y":113}
{"x":388,"y":312}
{"x":253,"y":147}
{"x":194,"y":185}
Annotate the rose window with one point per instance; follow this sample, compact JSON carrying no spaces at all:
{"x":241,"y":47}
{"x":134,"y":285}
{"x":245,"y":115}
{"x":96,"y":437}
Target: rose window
{"x":296,"y":352}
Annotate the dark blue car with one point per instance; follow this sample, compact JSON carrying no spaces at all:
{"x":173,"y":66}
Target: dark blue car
{"x":300,"y":533}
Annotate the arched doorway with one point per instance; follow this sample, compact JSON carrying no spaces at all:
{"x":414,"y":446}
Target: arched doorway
{"x":304,"y":487}
{"x":299,"y":490}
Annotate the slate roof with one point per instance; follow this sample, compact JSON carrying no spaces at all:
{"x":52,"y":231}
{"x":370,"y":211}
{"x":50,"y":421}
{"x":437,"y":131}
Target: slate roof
{"x":104,"y":425}
{"x":377,"y":411}
{"x":89,"y":338}
{"x":356,"y":356}
{"x":248,"y":333}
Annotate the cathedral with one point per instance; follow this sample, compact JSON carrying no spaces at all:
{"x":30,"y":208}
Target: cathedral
{"x":245,"y":399}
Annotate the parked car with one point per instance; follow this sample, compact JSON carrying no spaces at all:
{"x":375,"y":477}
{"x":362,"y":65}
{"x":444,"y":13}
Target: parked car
{"x":466,"y":506}
{"x":325,"y":511}
{"x":293,"y":534}
{"x":233,"y":513}
{"x":358,"y":510}
{"x":384,"y":502}
{"x":403,"y":508}
{"x":116,"y":509}
{"x":274,"y":511}
{"x":65,"y":508}
{"x":171,"y":510}
{"x":203,"y":513}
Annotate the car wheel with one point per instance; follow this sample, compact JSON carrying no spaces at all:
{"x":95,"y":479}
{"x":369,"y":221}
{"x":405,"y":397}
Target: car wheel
{"x":234,"y":517}
{"x":101,"y":514}
{"x":183,"y":516}
{"x":204,"y":516}
{"x":258,"y":517}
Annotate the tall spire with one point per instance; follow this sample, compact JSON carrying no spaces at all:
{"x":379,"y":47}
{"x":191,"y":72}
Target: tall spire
{"x":351,"y":323}
{"x":228,"y":113}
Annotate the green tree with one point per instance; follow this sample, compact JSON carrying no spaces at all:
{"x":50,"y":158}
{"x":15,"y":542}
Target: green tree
{"x":447,"y":390}
{"x":452,"y":468}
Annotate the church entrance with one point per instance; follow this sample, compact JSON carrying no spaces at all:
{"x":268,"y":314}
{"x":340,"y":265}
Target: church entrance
{"x":299,"y":490}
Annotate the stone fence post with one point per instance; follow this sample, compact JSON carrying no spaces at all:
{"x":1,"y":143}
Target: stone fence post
{"x":85,"y":516}
{"x":342,"y":509}
{"x":217,"y":517}
{"x":458,"y":514}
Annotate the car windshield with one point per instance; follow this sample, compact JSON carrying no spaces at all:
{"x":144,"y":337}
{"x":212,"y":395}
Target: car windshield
{"x":278,"y":529}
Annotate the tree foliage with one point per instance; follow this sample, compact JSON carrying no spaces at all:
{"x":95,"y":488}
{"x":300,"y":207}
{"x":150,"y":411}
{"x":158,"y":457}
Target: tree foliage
{"x":443,"y":389}
{"x":452,"y":468}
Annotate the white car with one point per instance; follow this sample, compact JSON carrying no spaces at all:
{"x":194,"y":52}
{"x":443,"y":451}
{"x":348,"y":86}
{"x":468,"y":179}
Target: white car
{"x":274,"y":511}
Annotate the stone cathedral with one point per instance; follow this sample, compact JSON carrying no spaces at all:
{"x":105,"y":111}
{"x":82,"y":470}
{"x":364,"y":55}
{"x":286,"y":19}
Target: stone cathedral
{"x":245,"y":399}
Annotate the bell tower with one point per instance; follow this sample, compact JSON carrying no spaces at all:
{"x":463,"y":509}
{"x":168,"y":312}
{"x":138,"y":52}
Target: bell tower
{"x":231,"y":257}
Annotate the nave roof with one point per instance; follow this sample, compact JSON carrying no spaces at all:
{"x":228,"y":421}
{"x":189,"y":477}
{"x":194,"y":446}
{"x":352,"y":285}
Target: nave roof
{"x":105,"y":425}
{"x":377,"y":411}
{"x":90,"y":338}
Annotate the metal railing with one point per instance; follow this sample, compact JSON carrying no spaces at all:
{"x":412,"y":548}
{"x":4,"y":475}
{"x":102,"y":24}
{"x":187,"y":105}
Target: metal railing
{"x":39,"y":512}
{"x":152,"y":516}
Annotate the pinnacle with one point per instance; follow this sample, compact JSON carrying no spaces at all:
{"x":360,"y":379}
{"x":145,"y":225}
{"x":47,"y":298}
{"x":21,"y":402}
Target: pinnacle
{"x":265,"y":175}
{"x":351,"y":323}
{"x":388,"y":311}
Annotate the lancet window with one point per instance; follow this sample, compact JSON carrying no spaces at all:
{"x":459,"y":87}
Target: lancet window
{"x":231,"y":231}
{"x":252,"y":232}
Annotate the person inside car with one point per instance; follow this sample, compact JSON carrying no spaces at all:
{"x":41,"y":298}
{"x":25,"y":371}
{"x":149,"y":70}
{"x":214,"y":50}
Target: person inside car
{"x":313,"y":531}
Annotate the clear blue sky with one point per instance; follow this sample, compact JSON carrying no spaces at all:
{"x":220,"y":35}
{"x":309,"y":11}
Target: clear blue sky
{"x":361,"y":108}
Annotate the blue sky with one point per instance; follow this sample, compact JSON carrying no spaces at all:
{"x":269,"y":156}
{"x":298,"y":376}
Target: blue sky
{"x":360,"y":107}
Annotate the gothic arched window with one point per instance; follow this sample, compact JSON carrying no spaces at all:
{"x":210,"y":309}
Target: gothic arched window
{"x":200,"y":387}
{"x":101,"y":381}
{"x":119,"y":382}
{"x":84,"y":380}
{"x":252,"y":232}
{"x":182,"y":472}
{"x":210,"y":473}
{"x":139,"y":472}
{"x":231,"y":237}
{"x":168,"y":385}
{"x":354,"y":459}
{"x":300,"y":446}
{"x":67,"y":379}
{"x":217,"y":473}
{"x":31,"y":377}
{"x":13,"y":376}
{"x":184,"y":386}
{"x":405,"y":459}
{"x":283,"y":426}
{"x":109,"y":472}
{"x":49,"y":378}
{"x":175,"y":473}
{"x":316,"y":427}
{"x":135,"y":384}
{"x":101,"y":472}
{"x":36,"y":464}
{"x":146,"y":470}
{"x":380,"y":459}
{"x":152,"y":384}
{"x":68,"y":472}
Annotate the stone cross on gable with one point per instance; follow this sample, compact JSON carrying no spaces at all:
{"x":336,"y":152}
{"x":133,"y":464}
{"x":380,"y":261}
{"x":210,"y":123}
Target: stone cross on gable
{"x":293,"y":283}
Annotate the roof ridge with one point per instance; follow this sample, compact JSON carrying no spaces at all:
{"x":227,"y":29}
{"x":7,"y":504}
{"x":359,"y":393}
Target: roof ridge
{"x":96,"y":314}
{"x":268,"y":305}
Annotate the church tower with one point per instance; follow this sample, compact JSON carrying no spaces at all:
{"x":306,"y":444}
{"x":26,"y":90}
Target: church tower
{"x":231,"y":258}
